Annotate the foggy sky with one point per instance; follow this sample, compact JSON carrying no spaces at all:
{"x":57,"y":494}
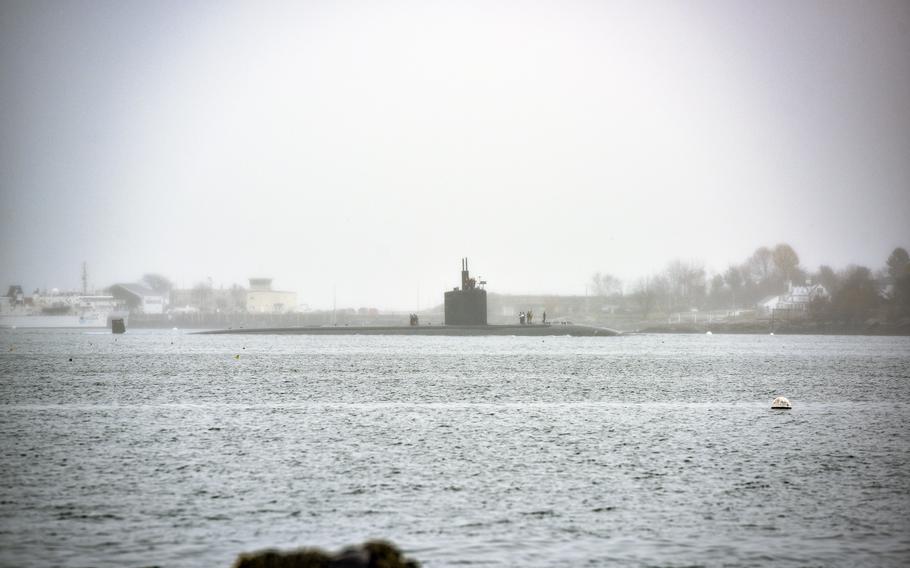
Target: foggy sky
{"x":367,"y":146}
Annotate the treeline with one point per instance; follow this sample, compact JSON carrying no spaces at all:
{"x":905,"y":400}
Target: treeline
{"x":850,"y":295}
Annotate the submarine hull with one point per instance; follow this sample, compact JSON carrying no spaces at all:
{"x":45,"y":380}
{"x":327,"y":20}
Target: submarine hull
{"x":537,"y":330}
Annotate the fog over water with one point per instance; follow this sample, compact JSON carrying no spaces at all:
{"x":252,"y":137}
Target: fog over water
{"x":366,"y":147}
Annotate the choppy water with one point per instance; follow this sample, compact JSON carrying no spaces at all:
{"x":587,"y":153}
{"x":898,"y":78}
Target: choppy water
{"x":161,"y":448}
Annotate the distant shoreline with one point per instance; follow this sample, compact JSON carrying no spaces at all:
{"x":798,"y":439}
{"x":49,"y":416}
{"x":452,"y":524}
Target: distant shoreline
{"x":782,"y":328}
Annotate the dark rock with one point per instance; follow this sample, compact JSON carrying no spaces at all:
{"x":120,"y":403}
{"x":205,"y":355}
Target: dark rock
{"x":372,"y":554}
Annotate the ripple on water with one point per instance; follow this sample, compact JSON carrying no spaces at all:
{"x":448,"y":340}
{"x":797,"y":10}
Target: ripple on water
{"x":635,"y":450}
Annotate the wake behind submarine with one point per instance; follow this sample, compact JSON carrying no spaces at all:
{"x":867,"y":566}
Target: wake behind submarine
{"x":465,"y":315}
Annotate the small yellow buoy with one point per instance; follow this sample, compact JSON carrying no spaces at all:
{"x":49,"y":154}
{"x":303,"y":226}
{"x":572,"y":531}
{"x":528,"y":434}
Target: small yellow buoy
{"x":781,"y":403}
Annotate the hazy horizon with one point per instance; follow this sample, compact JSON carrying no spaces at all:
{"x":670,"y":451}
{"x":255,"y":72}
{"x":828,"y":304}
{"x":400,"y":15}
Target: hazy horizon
{"x":364,"y":149}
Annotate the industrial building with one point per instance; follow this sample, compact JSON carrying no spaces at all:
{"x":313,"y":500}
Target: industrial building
{"x":262,"y":299}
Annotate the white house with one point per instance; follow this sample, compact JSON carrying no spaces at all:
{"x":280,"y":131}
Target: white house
{"x":766,"y":305}
{"x":797,"y":299}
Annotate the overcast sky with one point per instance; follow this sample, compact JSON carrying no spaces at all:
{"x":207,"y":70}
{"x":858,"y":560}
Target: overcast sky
{"x":368,"y":146}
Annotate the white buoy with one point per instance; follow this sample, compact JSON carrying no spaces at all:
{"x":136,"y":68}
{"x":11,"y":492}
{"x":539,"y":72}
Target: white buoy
{"x":772,"y":333}
{"x":781,"y":403}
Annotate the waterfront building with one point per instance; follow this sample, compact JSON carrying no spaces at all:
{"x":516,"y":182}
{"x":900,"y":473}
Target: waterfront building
{"x":797,"y":299}
{"x":262,"y":299}
{"x":139,"y":298}
{"x":203,"y":298}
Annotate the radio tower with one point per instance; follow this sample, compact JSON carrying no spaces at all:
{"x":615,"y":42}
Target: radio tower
{"x":84,"y":278}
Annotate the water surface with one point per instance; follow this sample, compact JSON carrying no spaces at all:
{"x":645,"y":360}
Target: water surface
{"x":163,"y":448}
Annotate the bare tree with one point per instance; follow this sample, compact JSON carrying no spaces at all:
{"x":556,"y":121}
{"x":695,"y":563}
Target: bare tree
{"x":899,"y":274}
{"x":158,"y":283}
{"x":760,"y":264}
{"x":605,"y":285}
{"x":827,"y":277}
{"x":647,"y":295}
{"x":733,"y":277}
{"x":786,"y":262}
{"x":687,"y":282}
{"x":718,"y":292}
{"x":857,"y":296}
{"x":898,"y":264}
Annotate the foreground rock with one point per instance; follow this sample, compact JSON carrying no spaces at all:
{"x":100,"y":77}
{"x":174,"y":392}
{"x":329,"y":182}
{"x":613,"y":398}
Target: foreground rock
{"x":372,"y":554}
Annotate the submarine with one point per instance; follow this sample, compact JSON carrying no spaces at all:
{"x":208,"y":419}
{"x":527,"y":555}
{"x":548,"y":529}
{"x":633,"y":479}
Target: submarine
{"x":465,"y":315}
